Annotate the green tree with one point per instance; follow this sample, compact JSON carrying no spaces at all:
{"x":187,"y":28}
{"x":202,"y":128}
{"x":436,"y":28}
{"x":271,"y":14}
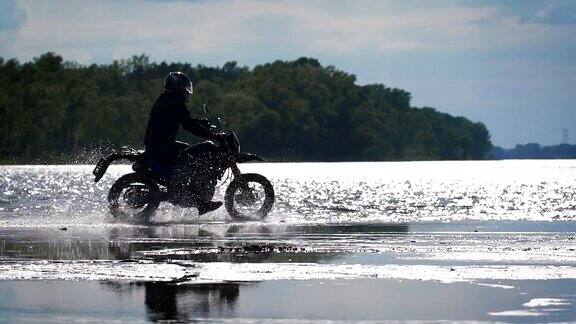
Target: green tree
{"x":286,"y":110}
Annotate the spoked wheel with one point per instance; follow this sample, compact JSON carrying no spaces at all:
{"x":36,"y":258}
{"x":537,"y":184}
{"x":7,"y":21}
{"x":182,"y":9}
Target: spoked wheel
{"x":134,"y":198}
{"x":249,"y":196}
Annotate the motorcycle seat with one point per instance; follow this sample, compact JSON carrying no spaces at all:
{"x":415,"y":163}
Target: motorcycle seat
{"x":160,"y":170}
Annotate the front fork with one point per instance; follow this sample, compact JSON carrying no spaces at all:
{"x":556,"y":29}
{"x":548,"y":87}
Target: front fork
{"x":235,"y":170}
{"x":248,"y":197}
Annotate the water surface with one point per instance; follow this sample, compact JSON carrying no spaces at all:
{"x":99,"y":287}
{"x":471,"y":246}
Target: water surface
{"x":490,"y":240}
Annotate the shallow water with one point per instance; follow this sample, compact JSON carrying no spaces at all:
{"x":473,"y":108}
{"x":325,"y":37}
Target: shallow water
{"x":324,"y":192}
{"x":490,"y":240}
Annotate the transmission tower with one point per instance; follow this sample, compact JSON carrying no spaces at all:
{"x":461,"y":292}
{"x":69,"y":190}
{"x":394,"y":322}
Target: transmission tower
{"x":565,"y":136}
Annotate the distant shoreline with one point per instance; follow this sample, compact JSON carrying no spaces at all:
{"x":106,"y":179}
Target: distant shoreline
{"x":39,"y":163}
{"x":535,"y":151}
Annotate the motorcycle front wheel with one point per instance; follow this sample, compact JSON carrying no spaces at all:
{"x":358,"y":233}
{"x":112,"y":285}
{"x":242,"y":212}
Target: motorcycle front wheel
{"x":134,"y":198}
{"x":249,"y":196}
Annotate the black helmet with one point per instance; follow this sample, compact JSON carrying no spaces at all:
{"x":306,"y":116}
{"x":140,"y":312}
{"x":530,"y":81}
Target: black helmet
{"x":178,"y":82}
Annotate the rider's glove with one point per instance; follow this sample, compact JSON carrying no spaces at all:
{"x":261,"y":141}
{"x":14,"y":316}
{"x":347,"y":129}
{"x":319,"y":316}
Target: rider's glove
{"x":219,"y":137}
{"x":206,"y":124}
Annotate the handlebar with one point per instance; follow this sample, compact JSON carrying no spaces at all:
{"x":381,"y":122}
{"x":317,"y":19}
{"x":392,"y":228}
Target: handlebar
{"x":211,"y":126}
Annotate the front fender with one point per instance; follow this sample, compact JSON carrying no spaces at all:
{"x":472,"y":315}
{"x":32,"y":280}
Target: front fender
{"x":247,"y":157}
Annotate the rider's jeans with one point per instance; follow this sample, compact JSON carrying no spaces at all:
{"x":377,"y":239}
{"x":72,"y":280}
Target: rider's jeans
{"x":164,"y":171}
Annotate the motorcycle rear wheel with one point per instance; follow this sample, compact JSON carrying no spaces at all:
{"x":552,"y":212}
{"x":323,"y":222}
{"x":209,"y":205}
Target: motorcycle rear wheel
{"x":237,"y":190}
{"x":134,"y":198}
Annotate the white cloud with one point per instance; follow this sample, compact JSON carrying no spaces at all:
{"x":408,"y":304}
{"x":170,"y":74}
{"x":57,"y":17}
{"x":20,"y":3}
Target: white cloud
{"x":180,"y":30}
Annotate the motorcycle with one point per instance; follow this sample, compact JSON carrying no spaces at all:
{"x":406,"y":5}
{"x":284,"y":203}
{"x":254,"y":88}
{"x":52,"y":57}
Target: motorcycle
{"x":136,"y":196}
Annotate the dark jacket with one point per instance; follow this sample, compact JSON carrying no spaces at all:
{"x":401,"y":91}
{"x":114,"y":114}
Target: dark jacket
{"x":168,"y":113}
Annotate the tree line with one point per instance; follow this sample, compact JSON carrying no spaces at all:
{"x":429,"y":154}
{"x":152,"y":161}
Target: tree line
{"x":300,"y":110}
{"x":535,"y":151}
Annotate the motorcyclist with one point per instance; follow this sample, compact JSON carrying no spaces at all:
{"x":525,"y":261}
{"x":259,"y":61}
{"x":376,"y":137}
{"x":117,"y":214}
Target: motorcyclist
{"x":168,"y":113}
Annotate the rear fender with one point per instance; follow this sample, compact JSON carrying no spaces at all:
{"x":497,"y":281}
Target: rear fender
{"x":105,"y":162}
{"x":247,"y":157}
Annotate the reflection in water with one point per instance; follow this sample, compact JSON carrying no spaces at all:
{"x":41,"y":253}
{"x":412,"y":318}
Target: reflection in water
{"x":207,"y":243}
{"x":183,"y":302}
{"x":344,"y":300}
{"x":373,"y":300}
{"x":203,"y":243}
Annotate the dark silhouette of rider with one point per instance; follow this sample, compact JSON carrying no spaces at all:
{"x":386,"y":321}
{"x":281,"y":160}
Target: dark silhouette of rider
{"x":168,"y":114}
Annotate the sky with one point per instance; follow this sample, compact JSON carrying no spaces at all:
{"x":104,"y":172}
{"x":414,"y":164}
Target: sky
{"x":509,"y":64}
